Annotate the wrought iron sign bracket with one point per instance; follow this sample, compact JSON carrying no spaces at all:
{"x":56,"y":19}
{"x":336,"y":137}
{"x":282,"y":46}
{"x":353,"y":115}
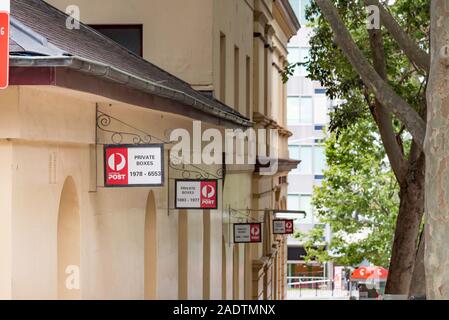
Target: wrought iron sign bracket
{"x":190,"y":171}
{"x":120,"y":130}
{"x":245,"y":214}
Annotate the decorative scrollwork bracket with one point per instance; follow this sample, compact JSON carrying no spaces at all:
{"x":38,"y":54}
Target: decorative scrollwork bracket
{"x":119,"y":131}
{"x":190,"y":171}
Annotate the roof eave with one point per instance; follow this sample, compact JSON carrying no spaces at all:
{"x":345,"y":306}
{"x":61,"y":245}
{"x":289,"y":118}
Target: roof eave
{"x":126,"y":79}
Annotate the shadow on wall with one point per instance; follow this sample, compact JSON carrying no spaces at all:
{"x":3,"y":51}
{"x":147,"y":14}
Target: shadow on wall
{"x":69,"y":243}
{"x":150,"y":249}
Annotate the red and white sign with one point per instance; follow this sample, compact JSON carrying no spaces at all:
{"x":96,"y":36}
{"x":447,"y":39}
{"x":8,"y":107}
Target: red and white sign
{"x":369,"y":273}
{"x":4,"y":44}
{"x":196,"y":194}
{"x":338,"y":278}
{"x":133,"y":165}
{"x":289,"y":226}
{"x":283,"y":226}
{"x":247,"y":232}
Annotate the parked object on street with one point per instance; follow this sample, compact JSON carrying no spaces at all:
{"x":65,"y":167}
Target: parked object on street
{"x":370,"y":282}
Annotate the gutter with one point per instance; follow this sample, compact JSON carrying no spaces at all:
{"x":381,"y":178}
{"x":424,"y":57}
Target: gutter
{"x":108,"y":72}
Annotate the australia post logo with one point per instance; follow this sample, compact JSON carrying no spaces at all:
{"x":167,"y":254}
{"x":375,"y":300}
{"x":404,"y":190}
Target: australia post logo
{"x":117,"y":166}
{"x":255,"y":235}
{"x":289,"y":226}
{"x":208,"y":194}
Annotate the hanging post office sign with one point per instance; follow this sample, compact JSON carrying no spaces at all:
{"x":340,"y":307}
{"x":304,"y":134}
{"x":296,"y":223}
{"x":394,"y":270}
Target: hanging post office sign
{"x":196,"y":194}
{"x":134,"y":165}
{"x":283,"y":226}
{"x":247,"y":232}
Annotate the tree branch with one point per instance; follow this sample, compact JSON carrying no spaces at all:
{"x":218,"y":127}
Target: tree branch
{"x":381,"y":115}
{"x":382,"y":90}
{"x":416,"y":55}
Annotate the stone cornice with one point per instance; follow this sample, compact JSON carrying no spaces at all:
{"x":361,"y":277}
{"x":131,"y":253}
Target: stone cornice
{"x":284,"y":165}
{"x":260,"y":5}
{"x":268,"y":123}
{"x":286,"y":17}
{"x":260,"y":21}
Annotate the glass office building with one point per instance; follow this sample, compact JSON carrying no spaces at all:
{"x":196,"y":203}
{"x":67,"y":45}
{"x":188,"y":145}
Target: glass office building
{"x":307,"y":118}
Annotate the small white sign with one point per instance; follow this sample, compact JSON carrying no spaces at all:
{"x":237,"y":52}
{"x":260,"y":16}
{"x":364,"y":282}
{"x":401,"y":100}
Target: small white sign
{"x":196,"y":194}
{"x":279,"y":227}
{"x":247,"y":232}
{"x":283,"y":226}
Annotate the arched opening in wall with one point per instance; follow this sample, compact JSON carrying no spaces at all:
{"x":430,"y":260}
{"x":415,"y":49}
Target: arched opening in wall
{"x":68,"y":245}
{"x":150,"y":249}
{"x":235,"y":272}
{"x":183,"y":238}
{"x":223,"y":269}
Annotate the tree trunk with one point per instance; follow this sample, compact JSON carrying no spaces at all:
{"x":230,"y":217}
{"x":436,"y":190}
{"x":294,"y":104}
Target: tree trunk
{"x":418,"y":284}
{"x":406,"y":235}
{"x":436,"y":256}
{"x":399,"y":165}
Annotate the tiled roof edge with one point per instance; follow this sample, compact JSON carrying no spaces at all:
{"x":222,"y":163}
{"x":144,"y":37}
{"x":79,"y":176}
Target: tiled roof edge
{"x":113,"y":74}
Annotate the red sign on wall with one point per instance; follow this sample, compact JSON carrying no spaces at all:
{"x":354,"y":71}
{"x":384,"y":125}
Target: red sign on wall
{"x":208,"y":197}
{"x":4,"y":49}
{"x":256,"y":233}
{"x":116,"y":166}
{"x":288,"y":226}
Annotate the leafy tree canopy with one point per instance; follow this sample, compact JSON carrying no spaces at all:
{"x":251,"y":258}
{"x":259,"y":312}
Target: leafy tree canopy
{"x":328,"y":65}
{"x":359,"y":197}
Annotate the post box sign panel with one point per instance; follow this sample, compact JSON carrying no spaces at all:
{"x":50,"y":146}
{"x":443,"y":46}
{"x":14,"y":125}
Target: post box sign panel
{"x":196,"y":194}
{"x":4,"y":43}
{"x":282,"y":226}
{"x":247,"y":232}
{"x":134,"y":165}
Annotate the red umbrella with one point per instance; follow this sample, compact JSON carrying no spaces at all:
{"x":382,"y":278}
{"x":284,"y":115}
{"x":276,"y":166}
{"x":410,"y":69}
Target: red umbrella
{"x":364,"y":273}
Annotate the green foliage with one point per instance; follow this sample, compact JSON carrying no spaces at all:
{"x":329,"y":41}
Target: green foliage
{"x":358,"y":199}
{"x":360,"y":193}
{"x":328,"y":65}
